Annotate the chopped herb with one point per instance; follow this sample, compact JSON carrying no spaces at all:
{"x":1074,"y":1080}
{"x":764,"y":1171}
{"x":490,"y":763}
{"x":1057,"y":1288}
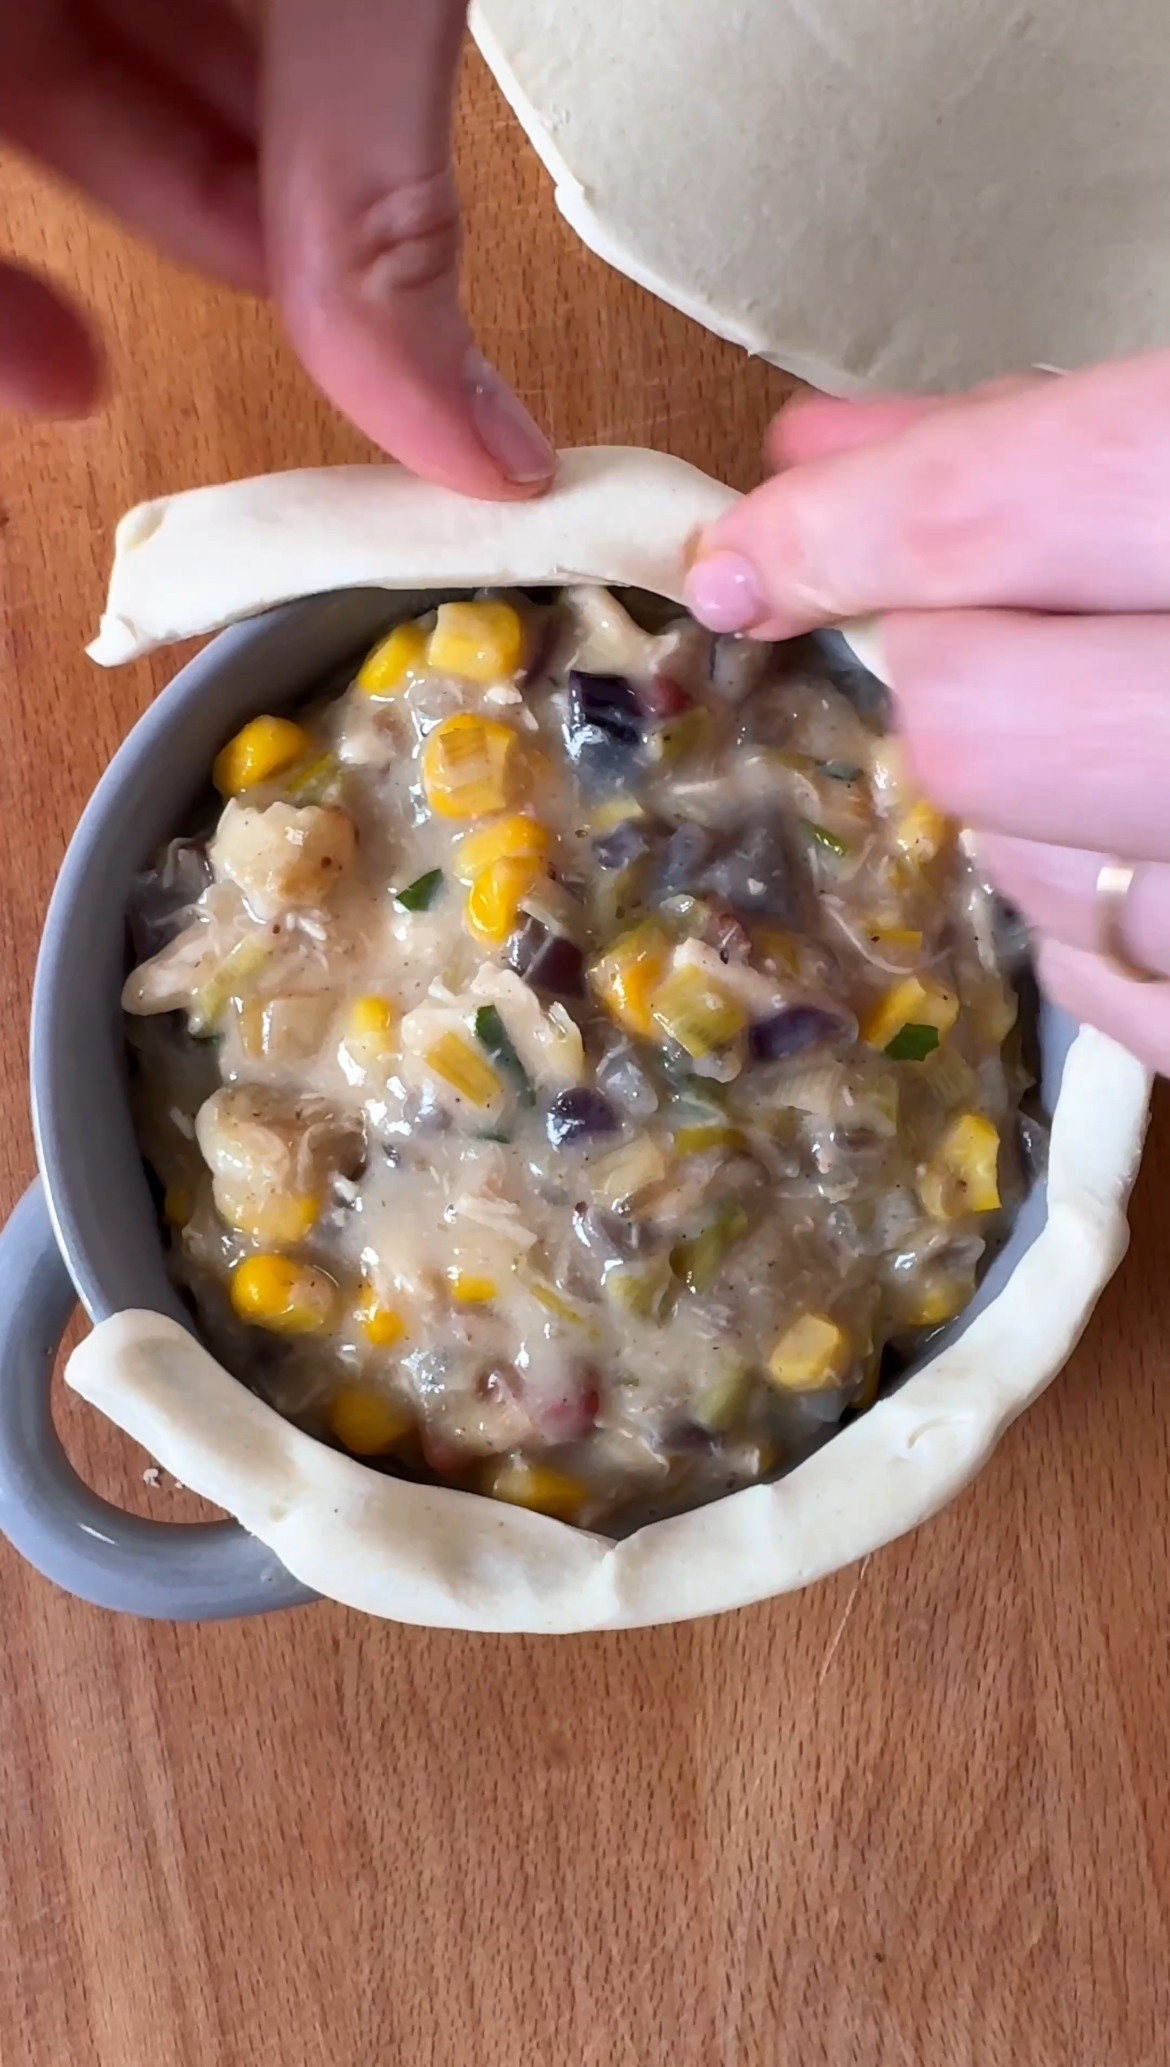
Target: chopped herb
{"x":642,"y":1290}
{"x":841,"y":771}
{"x":698,"y":1261}
{"x":722,"y":1395}
{"x":913,"y":1043}
{"x":493,"y":1038}
{"x":822,"y":837}
{"x":495,"y":1134}
{"x":697,"y":1103}
{"x":243,"y":961}
{"x":421,"y":894}
{"x":561,"y":1308}
{"x":677,"y":737}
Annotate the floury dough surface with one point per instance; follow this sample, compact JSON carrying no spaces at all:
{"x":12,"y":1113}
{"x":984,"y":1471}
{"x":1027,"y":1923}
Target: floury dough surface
{"x":926,"y":193}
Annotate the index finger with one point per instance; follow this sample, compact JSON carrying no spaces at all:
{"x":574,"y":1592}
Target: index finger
{"x":363,"y":237}
{"x":1052,"y":497}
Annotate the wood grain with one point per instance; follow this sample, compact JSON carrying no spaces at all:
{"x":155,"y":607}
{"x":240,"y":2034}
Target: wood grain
{"x":916,"y":1816}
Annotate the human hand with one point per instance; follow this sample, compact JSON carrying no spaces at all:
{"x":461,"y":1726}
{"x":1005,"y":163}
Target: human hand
{"x":313,"y":164}
{"x":1015,"y":545}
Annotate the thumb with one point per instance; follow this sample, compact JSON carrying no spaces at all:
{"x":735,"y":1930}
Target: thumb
{"x":49,"y":363}
{"x":363,"y":237}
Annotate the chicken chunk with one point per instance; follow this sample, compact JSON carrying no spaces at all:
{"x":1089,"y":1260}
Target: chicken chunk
{"x":170,"y":979}
{"x":271,"y":1159}
{"x":286,"y":857}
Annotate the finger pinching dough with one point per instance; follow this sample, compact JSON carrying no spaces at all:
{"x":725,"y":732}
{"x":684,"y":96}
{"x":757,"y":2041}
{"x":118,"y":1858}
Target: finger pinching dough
{"x":918,"y":193}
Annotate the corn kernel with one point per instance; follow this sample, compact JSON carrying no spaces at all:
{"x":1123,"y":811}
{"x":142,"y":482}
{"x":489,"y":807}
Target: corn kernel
{"x":696,"y":1013}
{"x":367,"y":1423}
{"x":775,"y":948}
{"x":540,"y":1487}
{"x":962,"y":1177}
{"x":994,"y":1010}
{"x":372,"y":1019}
{"x":627,"y":976}
{"x":888,"y":777}
{"x":283,"y":1218}
{"x":922,"y":832}
{"x":178,"y":1205}
{"x":904,"y":940}
{"x":469,"y":766}
{"x":261,"y":750}
{"x":493,"y":900}
{"x":288,"y":1298}
{"x":614,"y":811}
{"x":469,"y":1290}
{"x":937,"y":1297}
{"x":463,"y":1067}
{"x":696,"y":1141}
{"x":388,"y":669}
{"x":481,"y":642}
{"x":380,"y":1324}
{"x":515,"y":837}
{"x":813,"y":1352}
{"x":915,"y":1001}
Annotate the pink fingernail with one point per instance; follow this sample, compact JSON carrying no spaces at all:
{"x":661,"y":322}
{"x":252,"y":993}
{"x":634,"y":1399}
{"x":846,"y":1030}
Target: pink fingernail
{"x":514,"y":440}
{"x":723,"y":592}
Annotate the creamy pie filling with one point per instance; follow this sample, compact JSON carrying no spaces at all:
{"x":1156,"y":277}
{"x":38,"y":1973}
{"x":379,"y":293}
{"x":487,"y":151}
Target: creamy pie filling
{"x":575,"y":1061}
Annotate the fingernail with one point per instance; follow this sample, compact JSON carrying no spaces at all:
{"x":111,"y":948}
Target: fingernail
{"x":864,"y":635}
{"x":722,"y":591}
{"x":514,"y":440}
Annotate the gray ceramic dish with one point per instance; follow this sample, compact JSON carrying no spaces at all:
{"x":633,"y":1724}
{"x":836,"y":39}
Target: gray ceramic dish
{"x":87,"y":1228}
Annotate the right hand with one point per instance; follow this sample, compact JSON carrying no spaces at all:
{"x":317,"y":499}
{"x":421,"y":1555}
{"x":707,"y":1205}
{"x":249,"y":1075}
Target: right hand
{"x":1015,"y":545}
{"x":312,"y":161}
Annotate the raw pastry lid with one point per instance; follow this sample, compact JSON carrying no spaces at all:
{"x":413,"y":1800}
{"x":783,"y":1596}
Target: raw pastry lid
{"x":191,"y":563}
{"x":889,"y":196}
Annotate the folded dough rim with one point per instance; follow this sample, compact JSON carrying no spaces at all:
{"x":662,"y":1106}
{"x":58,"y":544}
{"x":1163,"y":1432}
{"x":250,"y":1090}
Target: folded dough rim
{"x":192,"y":563}
{"x":430,"y":1555}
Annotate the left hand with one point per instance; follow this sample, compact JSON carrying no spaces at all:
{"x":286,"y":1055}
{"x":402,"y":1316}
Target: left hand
{"x":313,"y":163}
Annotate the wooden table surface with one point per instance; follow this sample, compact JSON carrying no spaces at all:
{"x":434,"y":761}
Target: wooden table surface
{"x":916,"y":1816}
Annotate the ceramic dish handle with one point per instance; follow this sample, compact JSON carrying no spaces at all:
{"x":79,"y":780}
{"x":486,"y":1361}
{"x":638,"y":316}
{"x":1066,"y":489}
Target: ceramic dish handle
{"x":207,"y":1570}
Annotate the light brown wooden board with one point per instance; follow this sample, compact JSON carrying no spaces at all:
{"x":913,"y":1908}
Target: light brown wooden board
{"x":916,"y":1816}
